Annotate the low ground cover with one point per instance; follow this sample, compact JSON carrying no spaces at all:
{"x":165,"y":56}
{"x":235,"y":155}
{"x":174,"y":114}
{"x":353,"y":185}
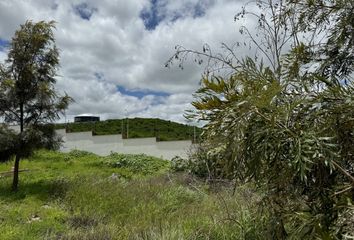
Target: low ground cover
{"x":79,"y":195}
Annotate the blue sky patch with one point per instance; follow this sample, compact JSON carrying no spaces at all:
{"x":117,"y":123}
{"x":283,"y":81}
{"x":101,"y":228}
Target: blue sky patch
{"x":157,"y":12}
{"x":3,"y":44}
{"x":151,"y":17}
{"x":84,"y":11}
{"x":199,"y":10}
{"x":140,"y":93}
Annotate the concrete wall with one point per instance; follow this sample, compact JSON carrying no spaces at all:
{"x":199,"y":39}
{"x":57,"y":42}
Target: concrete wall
{"x":104,"y":145}
{"x":15,"y":127}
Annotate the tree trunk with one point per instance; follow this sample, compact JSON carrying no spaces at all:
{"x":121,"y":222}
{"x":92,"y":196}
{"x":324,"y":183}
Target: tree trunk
{"x":18,"y":154}
{"x":16,"y":168}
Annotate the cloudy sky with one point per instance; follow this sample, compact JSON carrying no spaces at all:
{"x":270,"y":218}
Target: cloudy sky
{"x":113,"y":52}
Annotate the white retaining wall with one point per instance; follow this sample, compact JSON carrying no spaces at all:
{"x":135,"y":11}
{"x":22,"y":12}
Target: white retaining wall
{"x":104,"y":145}
{"x":15,"y":127}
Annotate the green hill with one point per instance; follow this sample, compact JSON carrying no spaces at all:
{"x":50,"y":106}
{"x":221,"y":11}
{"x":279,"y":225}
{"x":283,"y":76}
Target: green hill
{"x":137,"y":128}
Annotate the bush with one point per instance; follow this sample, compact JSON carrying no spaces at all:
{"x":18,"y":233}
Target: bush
{"x":7,"y":143}
{"x":179,"y":164}
{"x":137,"y":163}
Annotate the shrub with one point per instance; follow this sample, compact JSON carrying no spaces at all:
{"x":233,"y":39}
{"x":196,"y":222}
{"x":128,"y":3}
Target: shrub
{"x":137,"y":163}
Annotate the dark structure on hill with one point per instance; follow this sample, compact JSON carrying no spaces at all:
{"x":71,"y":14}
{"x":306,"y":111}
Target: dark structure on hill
{"x":86,"y":119}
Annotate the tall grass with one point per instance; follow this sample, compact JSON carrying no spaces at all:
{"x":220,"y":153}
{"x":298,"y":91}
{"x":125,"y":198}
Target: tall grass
{"x":79,"y":196}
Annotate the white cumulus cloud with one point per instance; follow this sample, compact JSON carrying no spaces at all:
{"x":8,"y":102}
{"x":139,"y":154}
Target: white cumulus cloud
{"x":104,"y":45}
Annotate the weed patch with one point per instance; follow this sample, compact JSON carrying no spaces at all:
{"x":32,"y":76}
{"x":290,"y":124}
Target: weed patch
{"x":80,"y":195}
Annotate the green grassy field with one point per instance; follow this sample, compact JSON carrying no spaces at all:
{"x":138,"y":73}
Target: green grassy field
{"x":138,"y":127}
{"x":79,"y":195}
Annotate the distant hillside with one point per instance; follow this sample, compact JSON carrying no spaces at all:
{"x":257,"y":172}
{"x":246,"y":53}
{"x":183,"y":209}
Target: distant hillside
{"x":138,"y":128}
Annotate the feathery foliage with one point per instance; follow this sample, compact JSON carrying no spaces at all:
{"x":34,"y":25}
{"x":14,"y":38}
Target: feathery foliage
{"x":27,"y":94}
{"x":285,"y":119}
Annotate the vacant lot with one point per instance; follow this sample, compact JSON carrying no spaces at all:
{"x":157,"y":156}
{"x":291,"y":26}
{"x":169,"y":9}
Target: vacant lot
{"x":82,"y":196}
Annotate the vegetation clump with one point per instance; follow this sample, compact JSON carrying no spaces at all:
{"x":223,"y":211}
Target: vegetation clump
{"x":137,"y":163}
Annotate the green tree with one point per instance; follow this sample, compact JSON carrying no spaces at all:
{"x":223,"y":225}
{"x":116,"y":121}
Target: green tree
{"x":27,"y":94}
{"x":284,"y":119}
{"x":328,"y":26}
